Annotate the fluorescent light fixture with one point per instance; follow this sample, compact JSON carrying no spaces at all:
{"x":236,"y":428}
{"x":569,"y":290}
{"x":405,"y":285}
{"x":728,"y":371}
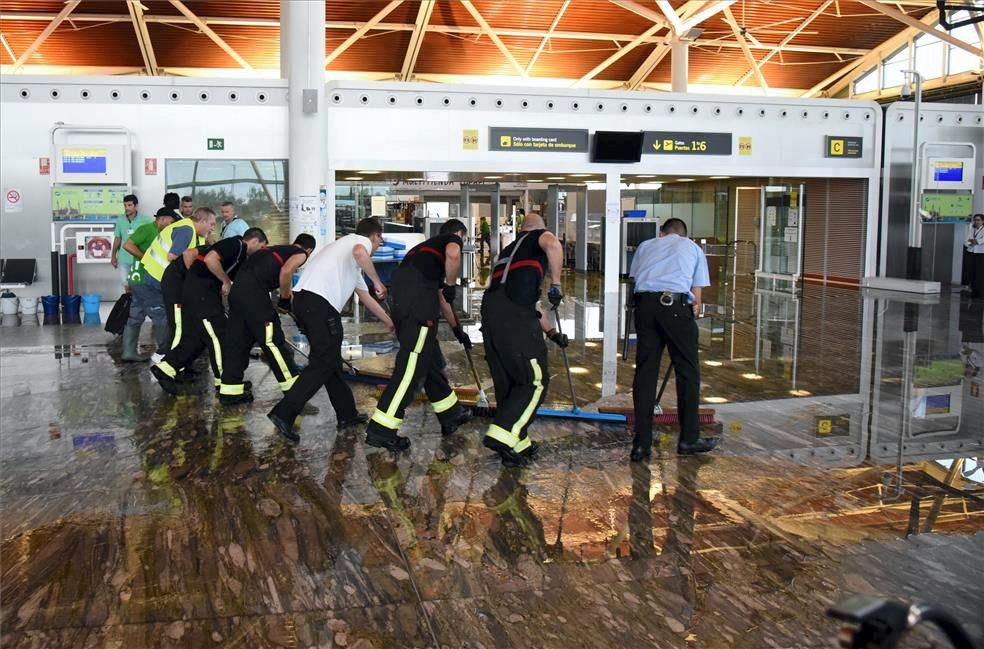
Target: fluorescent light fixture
{"x":646,"y":186}
{"x":416,"y":179}
{"x":370,"y":173}
{"x":581,"y":175}
{"x":713,"y":363}
{"x":715,"y":400}
{"x":555,"y":178}
{"x":719,"y":177}
{"x":353,"y":178}
{"x":752,"y":376}
{"x":645,"y":176}
{"x":684,"y":180}
{"x":493,"y":177}
{"x":437,"y":176}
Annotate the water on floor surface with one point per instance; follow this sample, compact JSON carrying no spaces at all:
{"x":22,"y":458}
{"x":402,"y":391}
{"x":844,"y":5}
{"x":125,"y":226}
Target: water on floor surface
{"x":851,"y":461}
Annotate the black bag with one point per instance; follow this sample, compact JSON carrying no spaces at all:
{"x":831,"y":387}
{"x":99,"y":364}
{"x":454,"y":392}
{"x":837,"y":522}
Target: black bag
{"x":116,"y":321}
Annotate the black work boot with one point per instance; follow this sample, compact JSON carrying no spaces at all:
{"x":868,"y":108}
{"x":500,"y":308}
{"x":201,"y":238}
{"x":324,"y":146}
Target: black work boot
{"x":700,"y":445}
{"x":455,"y":418}
{"x":166,"y":382}
{"x":284,"y":427}
{"x":355,"y":420}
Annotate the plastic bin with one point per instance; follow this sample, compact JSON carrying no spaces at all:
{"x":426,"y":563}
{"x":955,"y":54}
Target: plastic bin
{"x":50,"y":305}
{"x":72,"y":307}
{"x":9,"y":305}
{"x":29,"y":305}
{"x":90,"y":303}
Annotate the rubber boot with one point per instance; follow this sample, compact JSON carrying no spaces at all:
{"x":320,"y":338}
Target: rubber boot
{"x":130,"y":354}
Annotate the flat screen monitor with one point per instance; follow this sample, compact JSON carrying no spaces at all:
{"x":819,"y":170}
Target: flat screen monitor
{"x":946,"y":171}
{"x":91,"y":164}
{"x":83,"y":161}
{"x":617,"y":147}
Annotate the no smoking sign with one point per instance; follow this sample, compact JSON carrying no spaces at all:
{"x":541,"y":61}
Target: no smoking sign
{"x":12,"y":200}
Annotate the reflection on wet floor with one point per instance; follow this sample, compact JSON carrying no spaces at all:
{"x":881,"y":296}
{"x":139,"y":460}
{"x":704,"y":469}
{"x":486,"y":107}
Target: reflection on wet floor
{"x":132,"y":519}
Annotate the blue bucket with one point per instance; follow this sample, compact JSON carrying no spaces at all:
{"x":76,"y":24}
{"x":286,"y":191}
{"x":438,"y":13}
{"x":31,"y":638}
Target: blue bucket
{"x":50,"y":305}
{"x":71,"y":306}
{"x":90,"y":303}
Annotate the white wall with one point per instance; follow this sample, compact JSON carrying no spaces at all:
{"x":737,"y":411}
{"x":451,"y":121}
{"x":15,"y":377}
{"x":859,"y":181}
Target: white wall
{"x":162,"y":129}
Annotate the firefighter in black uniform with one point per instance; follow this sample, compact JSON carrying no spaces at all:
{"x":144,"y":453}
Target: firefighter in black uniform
{"x":208,"y":281}
{"x":253,"y":319}
{"x":513,"y":330}
{"x":422,"y":290}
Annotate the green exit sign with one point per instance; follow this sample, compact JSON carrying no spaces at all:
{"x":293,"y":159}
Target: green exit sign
{"x":216,"y":144}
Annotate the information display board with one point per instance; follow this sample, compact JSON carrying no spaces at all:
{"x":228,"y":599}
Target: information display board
{"x":90,"y":164}
{"x":551,"y":140}
{"x":948,"y":205}
{"x":686,"y":143}
{"x":87,"y":202}
{"x":949,"y":173}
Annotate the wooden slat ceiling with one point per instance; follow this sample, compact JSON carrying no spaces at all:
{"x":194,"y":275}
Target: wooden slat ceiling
{"x":714,"y":60}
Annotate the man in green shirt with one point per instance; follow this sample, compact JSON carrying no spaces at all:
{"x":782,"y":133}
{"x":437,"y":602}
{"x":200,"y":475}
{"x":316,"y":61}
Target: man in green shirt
{"x":126,"y":225}
{"x":486,"y":236}
{"x":147,"y":302}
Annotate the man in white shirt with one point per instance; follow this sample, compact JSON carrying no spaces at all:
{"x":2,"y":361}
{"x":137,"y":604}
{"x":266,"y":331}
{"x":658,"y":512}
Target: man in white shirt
{"x":233,"y":226}
{"x":669,"y":273}
{"x":975,"y":248}
{"x":326,"y":285}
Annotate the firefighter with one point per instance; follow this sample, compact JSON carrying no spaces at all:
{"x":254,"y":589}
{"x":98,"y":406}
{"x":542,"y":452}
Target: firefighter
{"x":318,"y":299}
{"x":513,"y":328}
{"x":253,"y":318}
{"x":169,"y":245}
{"x":422,"y":290}
{"x":209,"y":280}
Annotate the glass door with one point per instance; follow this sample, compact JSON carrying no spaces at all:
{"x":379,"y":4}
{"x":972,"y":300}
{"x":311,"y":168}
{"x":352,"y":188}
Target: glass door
{"x":781,"y":237}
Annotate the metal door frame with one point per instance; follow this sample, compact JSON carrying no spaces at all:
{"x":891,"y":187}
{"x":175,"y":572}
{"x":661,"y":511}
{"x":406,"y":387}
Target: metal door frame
{"x":464,"y":211}
{"x":581,"y":230}
{"x":775,"y":278}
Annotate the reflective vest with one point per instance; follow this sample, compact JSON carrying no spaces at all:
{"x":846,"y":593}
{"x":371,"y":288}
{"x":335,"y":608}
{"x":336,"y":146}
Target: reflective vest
{"x":155,"y":259}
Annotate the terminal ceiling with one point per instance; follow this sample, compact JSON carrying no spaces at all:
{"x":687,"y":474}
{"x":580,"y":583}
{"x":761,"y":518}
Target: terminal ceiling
{"x":782,"y":47}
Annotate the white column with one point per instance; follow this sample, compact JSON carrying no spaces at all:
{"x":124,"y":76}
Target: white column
{"x":304,"y":32}
{"x":613,"y":259}
{"x":679,"y":64}
{"x":284,"y":10}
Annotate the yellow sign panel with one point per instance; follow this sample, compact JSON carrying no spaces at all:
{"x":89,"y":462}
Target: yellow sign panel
{"x":745,"y":145}
{"x":836,"y":147}
{"x":825,"y":427}
{"x":505,"y":141}
{"x":469,"y":139}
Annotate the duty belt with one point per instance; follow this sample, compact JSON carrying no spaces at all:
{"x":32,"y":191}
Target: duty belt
{"x":668,"y":298}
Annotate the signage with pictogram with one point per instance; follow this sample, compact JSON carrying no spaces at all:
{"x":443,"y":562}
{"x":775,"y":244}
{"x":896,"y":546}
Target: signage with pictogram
{"x":150,"y":166}
{"x":12,"y":200}
{"x":44,"y":166}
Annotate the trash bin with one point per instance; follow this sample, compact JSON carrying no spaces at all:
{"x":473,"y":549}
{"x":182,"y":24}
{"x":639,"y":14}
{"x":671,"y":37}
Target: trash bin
{"x":50,"y":305}
{"x":9,"y":304}
{"x":29,"y":306}
{"x":90,"y":303}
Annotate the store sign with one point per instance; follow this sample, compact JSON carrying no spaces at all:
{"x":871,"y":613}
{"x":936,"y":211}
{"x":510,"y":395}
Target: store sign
{"x":551,"y":140}
{"x":686,"y":143}
{"x":216,"y":144}
{"x":843,"y":146}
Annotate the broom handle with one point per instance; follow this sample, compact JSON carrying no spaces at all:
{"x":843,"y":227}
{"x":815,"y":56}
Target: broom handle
{"x":471,"y":363}
{"x":666,"y":379}
{"x":567,"y":364}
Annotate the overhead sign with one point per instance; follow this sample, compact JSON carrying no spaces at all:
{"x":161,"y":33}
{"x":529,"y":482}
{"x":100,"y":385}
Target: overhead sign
{"x":745,"y":145}
{"x":469,"y":139}
{"x":686,"y":143}
{"x":538,"y":139}
{"x":216,"y":144}
{"x":92,"y":201}
{"x":843,"y":146}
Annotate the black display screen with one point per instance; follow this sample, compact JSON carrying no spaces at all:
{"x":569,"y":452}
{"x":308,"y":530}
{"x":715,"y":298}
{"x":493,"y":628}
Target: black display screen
{"x":617,"y":146}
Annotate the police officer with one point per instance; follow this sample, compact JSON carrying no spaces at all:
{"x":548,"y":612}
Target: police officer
{"x":252,"y":317}
{"x":513,"y":329}
{"x":319,"y":297}
{"x":208,"y":280}
{"x":169,"y":245}
{"x":669,"y":273}
{"x":423,"y":289}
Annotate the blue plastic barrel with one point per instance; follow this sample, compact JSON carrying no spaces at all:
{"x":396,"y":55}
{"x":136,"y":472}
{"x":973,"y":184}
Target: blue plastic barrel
{"x":71,"y":307}
{"x":90,"y":303}
{"x":50,"y":305}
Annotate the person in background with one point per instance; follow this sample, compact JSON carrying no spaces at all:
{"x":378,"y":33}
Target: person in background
{"x":975,"y":246}
{"x":126,"y":225}
{"x":233,"y":226}
{"x":485,"y":231}
{"x":318,"y":299}
{"x":670,"y":272}
{"x":146,"y":302}
{"x":172,"y":201}
{"x":187,"y":207}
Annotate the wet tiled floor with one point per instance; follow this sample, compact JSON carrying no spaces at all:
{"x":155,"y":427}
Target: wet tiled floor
{"x":132,"y":519}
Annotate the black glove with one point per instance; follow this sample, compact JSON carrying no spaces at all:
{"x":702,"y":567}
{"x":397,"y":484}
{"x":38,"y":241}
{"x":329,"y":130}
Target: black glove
{"x":462,"y":337}
{"x":558,"y":338}
{"x":555,"y":295}
{"x":284,"y":304}
{"x":449,"y":291}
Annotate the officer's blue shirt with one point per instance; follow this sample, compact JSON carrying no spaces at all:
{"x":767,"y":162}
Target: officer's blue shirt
{"x":235,"y":228}
{"x":669,"y":263}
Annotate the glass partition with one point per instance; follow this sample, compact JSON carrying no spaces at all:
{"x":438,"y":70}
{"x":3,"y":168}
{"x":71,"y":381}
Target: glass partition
{"x":781,"y":227}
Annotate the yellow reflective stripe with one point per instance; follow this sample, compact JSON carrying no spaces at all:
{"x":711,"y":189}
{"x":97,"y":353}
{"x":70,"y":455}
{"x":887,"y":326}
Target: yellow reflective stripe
{"x":157,"y":257}
{"x":531,"y":407}
{"x":385,"y":420}
{"x":408,"y":373}
{"x":232,"y":390}
{"x":286,"y":385}
{"x":177,"y":326}
{"x":446,"y":403}
{"x":217,"y":382}
{"x":523,"y":444}
{"x":216,"y":345}
{"x":276,"y":352}
{"x":502,"y":435}
{"x":167,"y":368}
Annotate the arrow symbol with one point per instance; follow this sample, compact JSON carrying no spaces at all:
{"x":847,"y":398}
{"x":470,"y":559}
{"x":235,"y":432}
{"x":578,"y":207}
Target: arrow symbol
{"x":656,"y":146}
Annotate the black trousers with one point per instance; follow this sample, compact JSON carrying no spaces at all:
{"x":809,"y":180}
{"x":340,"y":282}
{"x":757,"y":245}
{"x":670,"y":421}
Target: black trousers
{"x":658,"y":327}
{"x":977,"y":275}
{"x":203,"y":328}
{"x":252,"y":319}
{"x":322,"y":325}
{"x":172,"y":288}
{"x":416,"y":314}
{"x":517,"y":358}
